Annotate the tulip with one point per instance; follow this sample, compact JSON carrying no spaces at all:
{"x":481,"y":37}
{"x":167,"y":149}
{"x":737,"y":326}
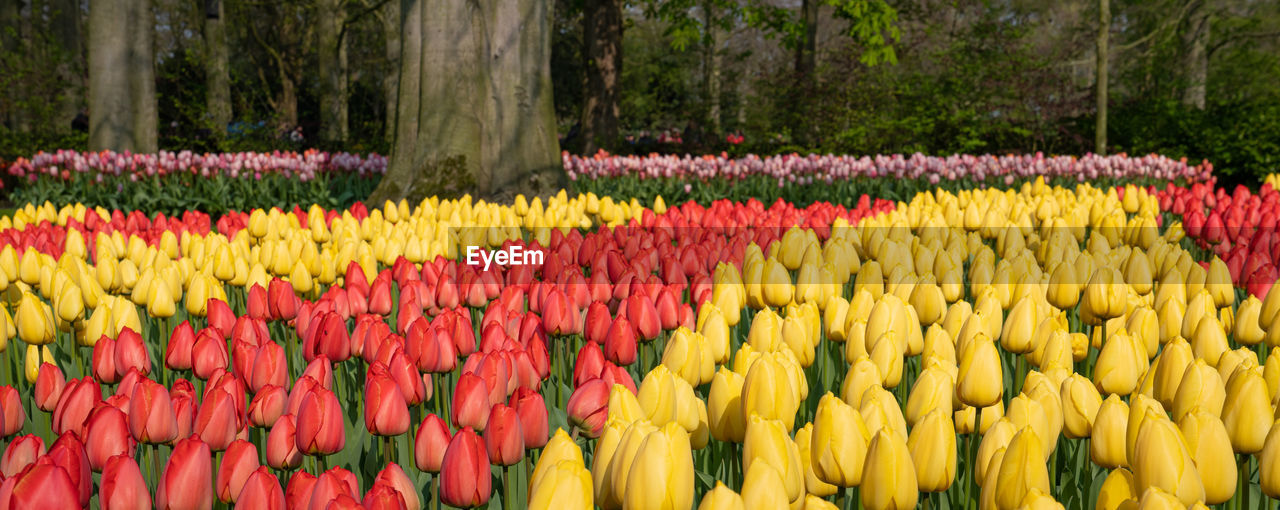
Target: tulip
{"x":1116,"y":370}
{"x":1107,"y":442}
{"x":1103,"y":297}
{"x":1022,"y":469}
{"x":981,"y":374}
{"x":763,"y":487}
{"x":661,"y":474}
{"x":151,"y":416}
{"x":722,"y":498}
{"x":767,"y":441}
{"x":1246,"y":411}
{"x":1248,"y":330}
{"x":839,"y":443}
{"x":131,"y":352}
{"x":187,"y":481}
{"x":122,"y":486}
{"x":812,"y":484}
{"x":996,"y":439}
{"x":335,"y":488}
{"x":588,"y":406}
{"x":767,"y":390}
{"x":267,"y":406}
{"x":470,"y":407}
{"x":503,"y":438}
{"x":107,"y":435}
{"x":567,"y":482}
{"x":465,"y":471}
{"x":1201,"y":388}
{"x":1080,"y":404}
{"x":430,"y":443}
{"x":533,"y":417}
{"x":385,"y":411}
{"x":394,"y":478}
{"x":34,"y":320}
{"x":238,"y":463}
{"x":261,"y":490}
{"x":620,"y":342}
{"x":889,"y":479}
{"x":1210,"y":448}
{"x":217,"y":420}
{"x":12,"y":413}
{"x":1172,"y":364}
{"x":48,"y":387}
{"x":20,"y":453}
{"x":79,"y":398}
{"x":932,"y":445}
{"x":297,"y":493}
{"x":45,"y":485}
{"x":1117,"y":488}
{"x":724,"y":406}
{"x":1163,"y":461}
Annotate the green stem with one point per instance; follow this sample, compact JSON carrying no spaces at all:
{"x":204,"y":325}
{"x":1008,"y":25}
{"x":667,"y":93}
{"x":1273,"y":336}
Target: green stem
{"x":435,"y":491}
{"x":970,"y":487}
{"x":506,"y":488}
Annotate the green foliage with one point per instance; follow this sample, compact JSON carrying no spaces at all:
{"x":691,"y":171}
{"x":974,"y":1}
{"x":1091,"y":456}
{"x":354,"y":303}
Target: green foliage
{"x":174,"y":193}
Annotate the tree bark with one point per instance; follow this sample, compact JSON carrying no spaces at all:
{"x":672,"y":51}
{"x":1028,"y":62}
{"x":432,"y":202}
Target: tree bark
{"x":110,"y":110}
{"x":711,"y":67}
{"x":143,"y":76}
{"x":1196,"y":65}
{"x":217,"y":68}
{"x":602,"y":47}
{"x":806,"y":50}
{"x":66,"y":30}
{"x":391,"y":77}
{"x":13,"y":41}
{"x":484,"y":100}
{"x":403,"y":152}
{"x":331,"y":54}
{"x":1104,"y":34}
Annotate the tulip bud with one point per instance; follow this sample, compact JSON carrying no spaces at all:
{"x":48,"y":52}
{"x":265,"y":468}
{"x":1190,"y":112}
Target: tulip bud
{"x":1107,"y":442}
{"x":1162,"y":461}
{"x":1080,"y":404}
{"x":981,"y":373}
{"x":1022,"y":469}
{"x":767,"y":442}
{"x":839,"y":442}
{"x":889,"y":480}
{"x":661,"y":475}
{"x":932,"y":444}
{"x":187,"y":481}
{"x":721,"y":498}
{"x":1245,"y":412}
{"x":1210,"y":448}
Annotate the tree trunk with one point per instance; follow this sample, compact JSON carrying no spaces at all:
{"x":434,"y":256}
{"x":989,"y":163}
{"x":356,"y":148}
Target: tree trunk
{"x":331,"y":53}
{"x":14,"y":43}
{"x":711,"y":67}
{"x":403,"y":153}
{"x":391,"y":77}
{"x":111,"y":115}
{"x":1196,"y":65}
{"x":66,"y":30}
{"x":484,"y":102}
{"x":1104,"y":33}
{"x":602,"y":47}
{"x":142,"y":72}
{"x":217,"y":68}
{"x":287,"y":104}
{"x":806,"y":50}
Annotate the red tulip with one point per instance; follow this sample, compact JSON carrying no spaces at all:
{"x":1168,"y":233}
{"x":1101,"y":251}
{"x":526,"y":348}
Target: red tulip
{"x":319,"y":424}
{"x":281,"y":301}
{"x":333,"y":484}
{"x":642,"y":314}
{"x":620,"y":342}
{"x":282,"y":444}
{"x":220,"y":317}
{"x":22,"y":452}
{"x":177,"y":355}
{"x":184,"y":413}
{"x":319,"y":370}
{"x":447,"y":292}
{"x":533,"y":417}
{"x":131,"y":352}
{"x":297,"y":494}
{"x":668,"y":307}
{"x":435,"y":351}
{"x":187,"y":482}
{"x":470,"y":407}
{"x":385,"y":410}
{"x":503,"y":438}
{"x":1214,"y":230}
{"x":79,"y":397}
{"x":341,"y":502}
{"x":216,"y":422}
{"x":68,"y":453}
{"x":107,"y":435}
{"x":589,"y":406}
{"x":104,"y":361}
{"x":267,"y":406}
{"x":464,"y":479}
{"x":122,"y":486}
{"x":560,"y":314}
{"x":261,"y":491}
{"x":458,"y":327}
{"x":151,"y":415}
{"x":270,"y":368}
{"x":429,"y":444}
{"x":256,"y":303}
{"x":589,"y":363}
{"x":12,"y":414}
{"x":49,"y":385}
{"x":406,"y":376}
{"x":238,"y":463}
{"x":209,"y":355}
{"x":383,"y":497}
{"x":328,"y":337}
{"x":614,"y":374}
{"x":393,"y":477}
{"x":45,"y":486}
{"x":380,"y":296}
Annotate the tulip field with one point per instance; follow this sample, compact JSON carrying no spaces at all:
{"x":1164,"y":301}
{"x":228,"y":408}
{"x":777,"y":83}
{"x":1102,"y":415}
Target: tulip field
{"x":1041,"y":337}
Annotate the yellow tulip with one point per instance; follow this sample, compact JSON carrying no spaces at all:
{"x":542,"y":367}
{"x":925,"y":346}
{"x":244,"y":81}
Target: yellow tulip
{"x":767,"y":390}
{"x":1210,"y":448}
{"x":607,"y":447}
{"x":1269,"y":463}
{"x":763,"y":488}
{"x":1117,"y":368}
{"x":812,"y":502}
{"x":724,"y":406}
{"x":34,"y":320}
{"x":661,"y":476}
{"x":566,"y":485}
{"x":1104,"y":296}
{"x":1200,"y":388}
{"x":933,"y":389}
{"x":1025,"y":412}
{"x":861,"y":376}
{"x":1080,"y":404}
{"x":766,"y":331}
{"x":160,"y":301}
{"x":839,"y":442}
{"x":767,"y":442}
{"x":928,"y":302}
{"x":795,"y":336}
{"x":1019,"y":327}
{"x":1107,"y":442}
{"x":1248,"y":330}
{"x":714,"y":328}
{"x":666,"y":398}
{"x":1172,"y":364}
{"x":1156,"y":499}
{"x":1218,"y":283}
{"x":721,"y":498}
{"x":776,"y":284}
{"x":1163,"y":461}
{"x":683,"y":356}
{"x":889,"y":479}
{"x":1064,"y":287}
{"x":812,"y":484}
{"x":965,"y":416}
{"x":1118,"y":488}
{"x":1210,"y":340}
{"x":624,"y":406}
{"x":1022,"y":469}
{"x":932,"y":444}
{"x":887,"y":353}
{"x":981,"y":374}
{"x":1247,"y":411}
{"x":31,"y":363}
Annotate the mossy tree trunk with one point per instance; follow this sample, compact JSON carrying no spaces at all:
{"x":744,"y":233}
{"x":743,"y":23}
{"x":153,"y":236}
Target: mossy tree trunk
{"x":216,"y":67}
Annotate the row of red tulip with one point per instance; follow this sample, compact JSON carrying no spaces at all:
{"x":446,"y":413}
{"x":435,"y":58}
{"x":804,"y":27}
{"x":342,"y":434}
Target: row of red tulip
{"x":1239,"y":227}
